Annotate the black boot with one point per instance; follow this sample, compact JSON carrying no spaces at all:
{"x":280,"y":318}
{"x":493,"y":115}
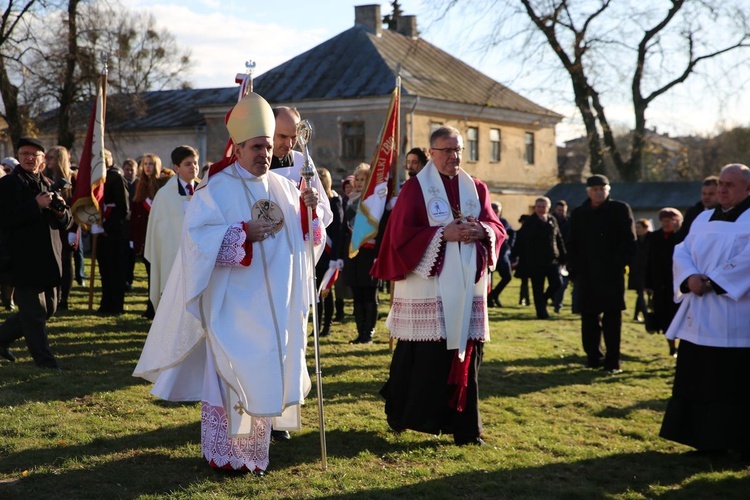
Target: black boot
{"x":325,"y":319}
{"x":7,"y":297}
{"x":339,"y":310}
{"x":369,"y":321}
{"x":359,"y":319}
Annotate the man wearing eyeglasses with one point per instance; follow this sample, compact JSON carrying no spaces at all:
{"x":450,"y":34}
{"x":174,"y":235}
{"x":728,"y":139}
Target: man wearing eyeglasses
{"x":32,"y":216}
{"x":440,"y":239}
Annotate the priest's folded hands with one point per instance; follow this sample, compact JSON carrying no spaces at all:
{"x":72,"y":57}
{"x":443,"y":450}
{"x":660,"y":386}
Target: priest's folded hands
{"x":464,"y":229}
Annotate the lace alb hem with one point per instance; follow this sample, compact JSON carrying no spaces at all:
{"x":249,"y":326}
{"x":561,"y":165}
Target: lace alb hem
{"x":430,"y":257}
{"x":247,"y":451}
{"x":232,"y":250}
{"x":423,"y":320}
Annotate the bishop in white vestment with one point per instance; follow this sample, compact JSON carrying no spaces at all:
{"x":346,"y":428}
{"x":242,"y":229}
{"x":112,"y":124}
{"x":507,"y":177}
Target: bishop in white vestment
{"x":231,"y":329}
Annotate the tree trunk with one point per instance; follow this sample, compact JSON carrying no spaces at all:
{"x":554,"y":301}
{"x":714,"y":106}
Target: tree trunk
{"x":65,"y":133}
{"x":13,"y":114}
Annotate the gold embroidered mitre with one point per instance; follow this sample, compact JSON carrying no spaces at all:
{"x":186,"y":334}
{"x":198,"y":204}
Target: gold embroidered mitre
{"x":251,"y":117}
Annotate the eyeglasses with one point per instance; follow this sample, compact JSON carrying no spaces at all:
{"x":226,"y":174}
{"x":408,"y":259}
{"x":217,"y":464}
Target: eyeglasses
{"x":458,"y":151}
{"x":30,"y":155}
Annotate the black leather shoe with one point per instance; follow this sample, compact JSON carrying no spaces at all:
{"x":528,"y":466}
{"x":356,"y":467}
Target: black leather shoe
{"x":5,"y":353}
{"x":280,"y":435}
{"x":461,"y":441}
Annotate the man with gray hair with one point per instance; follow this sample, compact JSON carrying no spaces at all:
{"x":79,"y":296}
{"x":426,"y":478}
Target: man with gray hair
{"x":439,"y":310}
{"x":709,"y":405}
{"x":540,"y":245}
{"x":600,"y":245}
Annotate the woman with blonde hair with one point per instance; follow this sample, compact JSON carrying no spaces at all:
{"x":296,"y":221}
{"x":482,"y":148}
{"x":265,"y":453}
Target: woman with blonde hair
{"x":357,"y":269}
{"x":57,"y":161}
{"x":149,"y":174}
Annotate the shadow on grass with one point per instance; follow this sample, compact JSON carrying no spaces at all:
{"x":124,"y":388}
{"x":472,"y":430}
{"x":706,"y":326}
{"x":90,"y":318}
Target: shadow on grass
{"x":592,"y":478}
{"x":136,"y":465}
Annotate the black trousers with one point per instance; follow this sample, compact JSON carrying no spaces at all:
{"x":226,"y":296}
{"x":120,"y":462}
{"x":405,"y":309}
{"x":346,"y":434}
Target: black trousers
{"x":35,"y":307}
{"x":112,"y":257}
{"x":67,"y":273}
{"x":551,"y":273}
{"x":504,"y":271}
{"x":593,"y":326}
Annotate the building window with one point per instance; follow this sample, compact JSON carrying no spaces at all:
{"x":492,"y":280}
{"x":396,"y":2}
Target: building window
{"x":529,"y":140}
{"x":434,"y":126}
{"x":353,"y":140}
{"x":495,"y":145}
{"x":472,"y":146}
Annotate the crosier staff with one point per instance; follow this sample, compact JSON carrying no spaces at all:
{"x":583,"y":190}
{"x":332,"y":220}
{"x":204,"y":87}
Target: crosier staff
{"x":304,"y":132}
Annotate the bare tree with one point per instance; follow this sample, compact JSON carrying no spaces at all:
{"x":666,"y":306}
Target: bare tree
{"x":13,"y":34}
{"x":601,"y":44}
{"x":63,"y":70}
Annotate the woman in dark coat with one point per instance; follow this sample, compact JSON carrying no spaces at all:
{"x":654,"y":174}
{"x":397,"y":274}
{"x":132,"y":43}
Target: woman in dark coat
{"x":331,"y":256}
{"x":637,"y":273}
{"x":659,"y":279}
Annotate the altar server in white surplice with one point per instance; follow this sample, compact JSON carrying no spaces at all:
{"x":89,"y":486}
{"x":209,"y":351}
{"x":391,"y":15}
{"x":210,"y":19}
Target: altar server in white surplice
{"x":709,"y":406}
{"x":166,"y":218}
{"x":231,"y":329}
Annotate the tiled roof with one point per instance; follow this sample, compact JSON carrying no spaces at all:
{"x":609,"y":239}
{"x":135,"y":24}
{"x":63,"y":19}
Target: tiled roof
{"x":353,"y":64}
{"x":357,"y":63}
{"x":156,"y":109}
{"x":641,"y":196}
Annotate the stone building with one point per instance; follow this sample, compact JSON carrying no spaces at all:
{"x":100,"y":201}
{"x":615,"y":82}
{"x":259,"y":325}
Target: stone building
{"x":343,"y":87}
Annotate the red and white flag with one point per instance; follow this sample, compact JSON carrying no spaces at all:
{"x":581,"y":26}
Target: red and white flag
{"x":329,"y":278}
{"x":92,"y":171}
{"x":379,"y":186}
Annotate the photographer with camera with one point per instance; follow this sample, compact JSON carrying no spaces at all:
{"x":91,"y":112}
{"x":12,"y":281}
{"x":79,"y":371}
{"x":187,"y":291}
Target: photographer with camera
{"x":32,"y":216}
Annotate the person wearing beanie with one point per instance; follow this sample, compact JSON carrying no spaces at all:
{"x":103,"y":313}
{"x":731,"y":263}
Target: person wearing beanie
{"x":231,"y":326}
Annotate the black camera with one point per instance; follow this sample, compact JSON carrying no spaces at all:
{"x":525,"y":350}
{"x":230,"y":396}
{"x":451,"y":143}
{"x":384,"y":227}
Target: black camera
{"x":57,"y":204}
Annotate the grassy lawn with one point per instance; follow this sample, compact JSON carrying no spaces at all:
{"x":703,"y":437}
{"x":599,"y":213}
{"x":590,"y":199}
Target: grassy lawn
{"x":553,"y":428}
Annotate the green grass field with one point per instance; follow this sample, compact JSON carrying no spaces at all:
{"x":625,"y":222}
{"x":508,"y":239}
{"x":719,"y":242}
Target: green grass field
{"x":553,"y":428}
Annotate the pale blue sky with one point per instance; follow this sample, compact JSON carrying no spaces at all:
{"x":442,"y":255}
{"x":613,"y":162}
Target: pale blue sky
{"x":223,"y":34}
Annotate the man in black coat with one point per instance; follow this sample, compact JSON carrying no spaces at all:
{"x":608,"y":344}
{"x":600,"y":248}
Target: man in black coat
{"x":709,"y":201}
{"x":541,"y":246}
{"x":503,"y":266}
{"x":601,"y":244}
{"x":114,"y":240}
{"x":32,"y":218}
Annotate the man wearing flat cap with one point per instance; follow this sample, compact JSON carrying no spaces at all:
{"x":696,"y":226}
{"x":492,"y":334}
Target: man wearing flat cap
{"x":231,"y":330}
{"x":32,"y":218}
{"x":600,"y":245}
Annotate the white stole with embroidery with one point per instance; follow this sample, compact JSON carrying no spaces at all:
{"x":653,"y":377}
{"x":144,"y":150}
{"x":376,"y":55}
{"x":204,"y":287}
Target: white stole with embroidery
{"x":455,"y":282}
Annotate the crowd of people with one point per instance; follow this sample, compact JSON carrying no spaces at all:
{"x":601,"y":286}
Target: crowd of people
{"x":228,"y":261}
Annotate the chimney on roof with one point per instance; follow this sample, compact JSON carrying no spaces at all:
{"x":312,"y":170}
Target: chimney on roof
{"x":407,"y":26}
{"x":369,"y":17}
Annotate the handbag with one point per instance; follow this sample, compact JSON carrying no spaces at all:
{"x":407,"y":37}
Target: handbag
{"x":649,"y":317}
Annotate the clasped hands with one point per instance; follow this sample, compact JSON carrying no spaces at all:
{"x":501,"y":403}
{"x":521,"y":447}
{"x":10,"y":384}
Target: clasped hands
{"x":699,"y":284}
{"x":464,"y":229}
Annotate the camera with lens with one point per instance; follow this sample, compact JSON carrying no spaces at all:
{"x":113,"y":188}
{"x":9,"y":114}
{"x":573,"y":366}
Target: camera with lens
{"x":57,"y":204}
